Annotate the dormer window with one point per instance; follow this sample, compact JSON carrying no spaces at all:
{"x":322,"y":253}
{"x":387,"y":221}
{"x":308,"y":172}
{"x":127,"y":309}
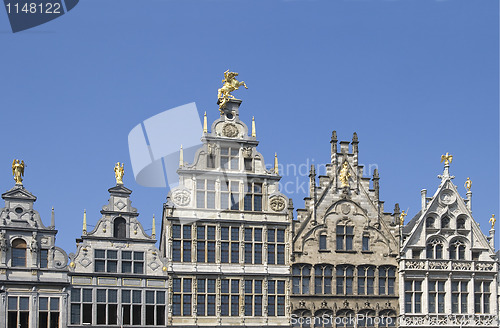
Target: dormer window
{"x":119,"y":228}
{"x":19,"y":253}
{"x":457,"y":250}
{"x":429,"y":222}
{"x":445,"y":222}
{"x":229,"y":158}
{"x":460,"y":223}
{"x":322,"y":242}
{"x":211,"y":161}
{"x":345,"y":235}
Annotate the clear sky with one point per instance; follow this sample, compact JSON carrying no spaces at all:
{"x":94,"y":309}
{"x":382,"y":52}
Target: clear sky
{"x":414,"y":78}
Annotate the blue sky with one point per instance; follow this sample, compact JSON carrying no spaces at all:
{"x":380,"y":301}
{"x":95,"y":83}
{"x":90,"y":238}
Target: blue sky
{"x":414,"y":78}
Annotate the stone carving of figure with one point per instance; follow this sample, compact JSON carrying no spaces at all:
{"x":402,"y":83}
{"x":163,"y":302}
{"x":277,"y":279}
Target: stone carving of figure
{"x":119,"y":171}
{"x":468,"y":184}
{"x":3,"y":242}
{"x":18,"y":171}
{"x":34,"y":243}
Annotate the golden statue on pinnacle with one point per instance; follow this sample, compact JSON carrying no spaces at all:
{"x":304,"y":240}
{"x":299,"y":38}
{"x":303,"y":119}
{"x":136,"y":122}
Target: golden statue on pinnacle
{"x":119,"y":171}
{"x":230,"y":84}
{"x":18,"y":171}
{"x":447,"y":159}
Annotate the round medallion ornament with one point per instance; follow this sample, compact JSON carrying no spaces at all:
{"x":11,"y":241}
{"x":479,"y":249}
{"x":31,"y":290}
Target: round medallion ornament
{"x":277,"y":203}
{"x":181,"y":197}
{"x":345,"y":209}
{"x":447,"y":197}
{"x":230,"y":130}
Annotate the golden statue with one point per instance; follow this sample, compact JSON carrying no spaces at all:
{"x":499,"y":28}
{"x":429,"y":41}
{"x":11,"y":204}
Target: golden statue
{"x":119,"y":171}
{"x":18,"y":171}
{"x":402,"y":218}
{"x":230,"y":85}
{"x":446,"y":158}
{"x":493,"y":220}
{"x":344,"y":175}
{"x":468,"y":184}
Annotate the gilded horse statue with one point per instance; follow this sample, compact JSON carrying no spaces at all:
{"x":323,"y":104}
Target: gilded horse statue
{"x":230,"y":84}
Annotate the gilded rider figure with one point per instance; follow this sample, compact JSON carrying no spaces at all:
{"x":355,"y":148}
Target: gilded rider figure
{"x":230,"y":84}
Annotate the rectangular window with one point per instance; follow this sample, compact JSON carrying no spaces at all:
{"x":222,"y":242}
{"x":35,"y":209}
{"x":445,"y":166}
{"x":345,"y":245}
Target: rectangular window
{"x":276,"y":298}
{"x":182,"y":298}
{"x":206,"y":297}
{"x":181,"y":246}
{"x":132,"y":262}
{"x":322,"y":242}
{"x":366,"y":279}
{"x":230,"y":295}
{"x":18,"y":312}
{"x":253,"y":298}
{"x":366,"y":243}
{"x":413,"y":296}
{"x":248,"y":164}
{"x":206,"y":244}
{"x":276,"y":246}
{"x":229,"y":158}
{"x":482,"y":296}
{"x":205,"y":193}
{"x":210,"y":161}
{"x":253,"y":245}
{"x":345,"y":236}
{"x":81,"y":306}
{"x":436,"y":296}
{"x":230,"y":195}
{"x":459,"y":295}
{"x":386,"y":281}
{"x":253,"y":197}
{"x":230,"y":246}
{"x":44,"y":258}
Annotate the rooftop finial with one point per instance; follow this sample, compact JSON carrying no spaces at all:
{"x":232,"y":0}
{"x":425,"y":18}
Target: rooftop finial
{"x":52,"y":218}
{"x":402,"y":218}
{"x":493,"y":220}
{"x":181,"y":158}
{"x":205,"y":128}
{"x":230,"y":85}
{"x":84,"y":222}
{"x":468,"y":184}
{"x":254,"y":131}
{"x":447,"y":159}
{"x":276,"y":169}
{"x":153,"y":232}
{"x":119,"y":171}
{"x":18,"y":171}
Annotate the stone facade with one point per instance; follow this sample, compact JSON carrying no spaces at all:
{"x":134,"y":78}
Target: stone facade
{"x":226,"y":234}
{"x":231,"y":253}
{"x":345,"y":247}
{"x":448,"y":269}
{"x":33,"y":271}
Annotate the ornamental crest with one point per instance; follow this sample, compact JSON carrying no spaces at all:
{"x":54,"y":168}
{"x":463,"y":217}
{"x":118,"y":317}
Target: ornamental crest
{"x":181,"y":197}
{"x":277,"y":203}
{"x":230,"y":130}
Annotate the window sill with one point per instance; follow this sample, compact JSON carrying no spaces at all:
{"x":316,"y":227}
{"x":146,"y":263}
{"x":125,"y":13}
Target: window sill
{"x":324,"y":251}
{"x":343,"y":251}
{"x":367,"y":252}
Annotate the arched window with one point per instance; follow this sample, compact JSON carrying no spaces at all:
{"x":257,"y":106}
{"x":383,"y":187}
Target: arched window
{"x":445,"y":222}
{"x":323,"y":318}
{"x":345,"y":275}
{"x":366,"y":280}
{"x":435,"y":249}
{"x":322,"y":242}
{"x":457,"y":250}
{"x":429,"y":222}
{"x":461,"y":223}
{"x":367,"y":318}
{"x":387,"y":318}
{"x":386,"y":280}
{"x":345,"y":318}
{"x":18,"y":253}
{"x":301,"y":278}
{"x":323,"y":279}
{"x":301,"y":318}
{"x":119,"y":228}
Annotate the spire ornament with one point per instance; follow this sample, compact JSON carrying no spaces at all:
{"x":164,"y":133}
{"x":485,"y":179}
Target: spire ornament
{"x":18,"y":171}
{"x":205,"y":125}
{"x":84,"y":229}
{"x":254,"y":132}
{"x":493,"y":220}
{"x":230,"y":85}
{"x":181,"y":157}
{"x":402,"y":218}
{"x":153,"y":232}
{"x":276,"y":169}
{"x":468,"y":184}
{"x":447,"y":158}
{"x":119,"y":171}
{"x":344,"y":175}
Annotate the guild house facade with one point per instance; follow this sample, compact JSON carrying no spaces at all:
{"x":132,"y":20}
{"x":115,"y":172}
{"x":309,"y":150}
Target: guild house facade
{"x":231,"y":253}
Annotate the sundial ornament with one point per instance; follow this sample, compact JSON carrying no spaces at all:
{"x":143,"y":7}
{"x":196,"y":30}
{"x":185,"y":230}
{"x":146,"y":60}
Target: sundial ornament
{"x":230,"y":84}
